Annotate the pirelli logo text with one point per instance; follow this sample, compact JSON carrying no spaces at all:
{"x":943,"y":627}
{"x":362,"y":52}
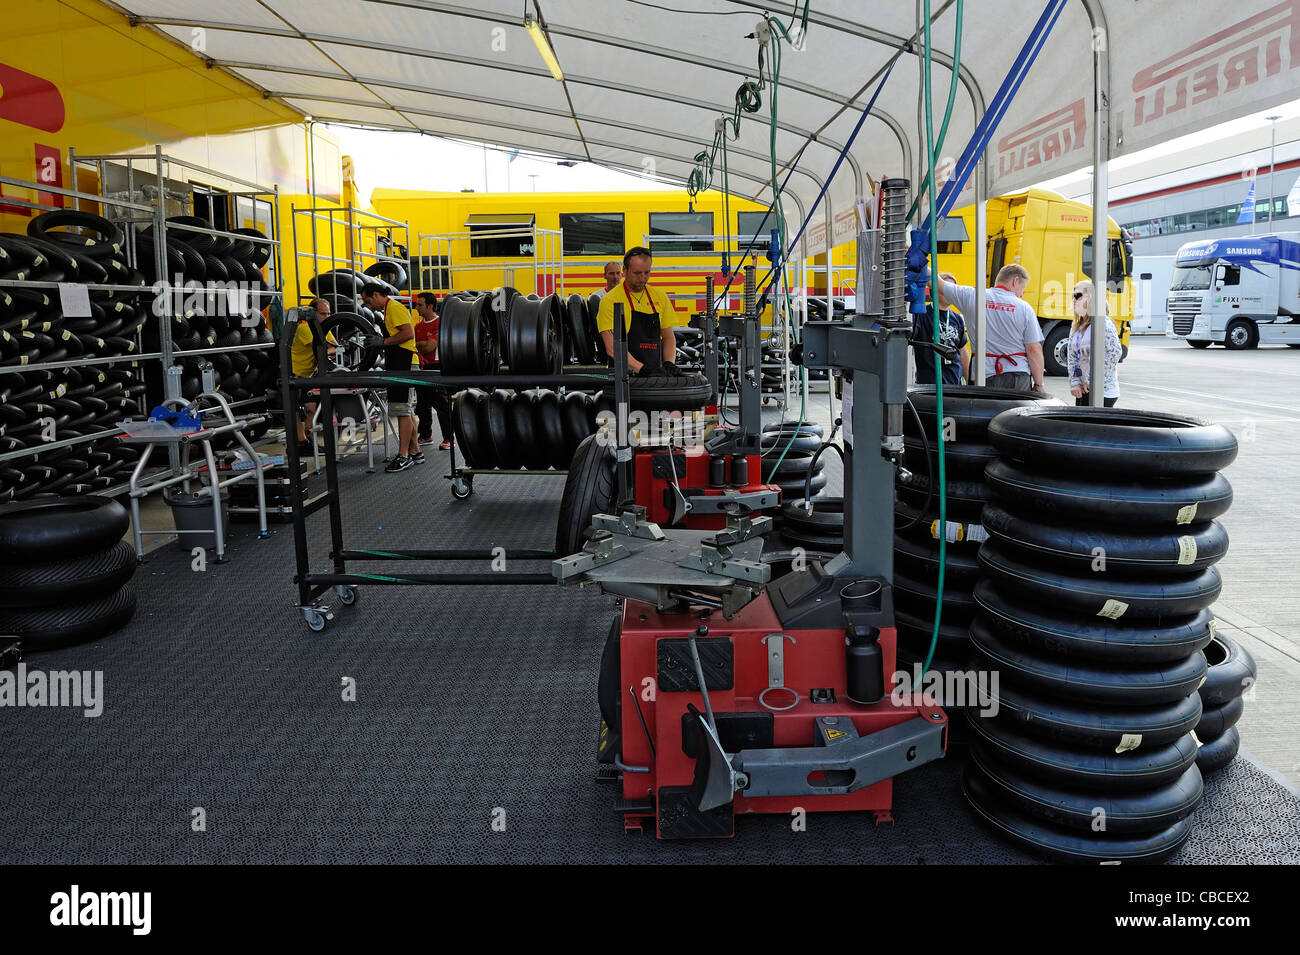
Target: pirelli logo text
{"x":1233,"y":58}
{"x":1043,"y":140}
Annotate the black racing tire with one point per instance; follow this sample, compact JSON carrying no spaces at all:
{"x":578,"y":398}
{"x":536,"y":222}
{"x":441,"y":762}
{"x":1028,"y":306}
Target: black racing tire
{"x":1231,"y":671}
{"x":589,"y":489}
{"x":1174,"y":502}
{"x":391,"y":271}
{"x":261,"y":253}
{"x":106,"y":244}
{"x":919,"y":559}
{"x":350,"y":331}
{"x":918,"y":597}
{"x":965,"y":499}
{"x":61,"y":263}
{"x":597,"y":340}
{"x":828,"y":543}
{"x":521,"y":421}
{"x":499,"y":303}
{"x":793,"y":491}
{"x":200,"y":242}
{"x":687,"y":392}
{"x":1091,"y":726}
{"x":795,"y":467}
{"x":1114,"y":442}
{"x":1095,"y":770}
{"x":1219,"y":752}
{"x":63,"y":624}
{"x":825,"y":517}
{"x":74,"y":579}
{"x":581,"y":348}
{"x":1133,"y":684}
{"x":535,"y":335}
{"x":48,"y":529}
{"x":1069,"y":845}
{"x":1104,"y":595}
{"x":577,"y":422}
{"x":1143,"y":552}
{"x":549,"y":423}
{"x":1111,"y":814}
{"x":466,"y":418}
{"x":505,"y":452}
{"x":801,"y":440}
{"x":1217,"y":720}
{"x":918,"y":631}
{"x":1069,"y":635}
{"x":217,"y":272}
{"x":962,"y":462}
{"x":341,"y":282}
{"x":970,"y":408}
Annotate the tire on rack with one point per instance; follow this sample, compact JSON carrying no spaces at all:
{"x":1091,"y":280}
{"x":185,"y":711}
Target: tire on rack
{"x":1173,"y":502}
{"x":535,"y":335}
{"x":1144,"y":551}
{"x":74,"y":579}
{"x":576,"y":413}
{"x":1134,"y":684}
{"x":1115,"y":442}
{"x":1068,"y":635}
{"x":63,"y":624}
{"x":505,"y":452}
{"x":1219,"y":752}
{"x":467,"y":417}
{"x":261,"y":253}
{"x":391,"y":271}
{"x":1141,"y":812}
{"x":589,"y":489}
{"x":1231,"y":671}
{"x":521,"y":421}
{"x":581,"y":347}
{"x":45,"y":530}
{"x":549,"y":424}
{"x":1099,"y":594}
{"x":107,"y":242}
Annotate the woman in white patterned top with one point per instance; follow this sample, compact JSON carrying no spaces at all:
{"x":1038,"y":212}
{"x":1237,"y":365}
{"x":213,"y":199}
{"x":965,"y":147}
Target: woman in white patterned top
{"x":1080,"y":354}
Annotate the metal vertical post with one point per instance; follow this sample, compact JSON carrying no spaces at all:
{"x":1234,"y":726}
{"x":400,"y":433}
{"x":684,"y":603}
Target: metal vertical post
{"x":1100,"y":185}
{"x":977,"y":321}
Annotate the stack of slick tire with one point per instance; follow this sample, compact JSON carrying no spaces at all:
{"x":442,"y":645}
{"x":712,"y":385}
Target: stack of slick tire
{"x":1094,"y":595}
{"x":968,"y":411}
{"x":1230,"y":677}
{"x":203,"y":316}
{"x":478,"y":332}
{"x":531,"y":430}
{"x":38,"y":407}
{"x":64,"y":570}
{"x":803,"y":439}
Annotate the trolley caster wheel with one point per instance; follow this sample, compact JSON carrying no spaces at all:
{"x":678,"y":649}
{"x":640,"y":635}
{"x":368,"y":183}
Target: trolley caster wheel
{"x":462,"y":487}
{"x":316,"y":618}
{"x":347,"y":594}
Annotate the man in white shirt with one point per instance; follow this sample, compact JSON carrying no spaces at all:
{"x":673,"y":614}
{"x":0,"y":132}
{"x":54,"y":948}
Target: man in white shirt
{"x":613,"y":275}
{"x":1013,"y":339}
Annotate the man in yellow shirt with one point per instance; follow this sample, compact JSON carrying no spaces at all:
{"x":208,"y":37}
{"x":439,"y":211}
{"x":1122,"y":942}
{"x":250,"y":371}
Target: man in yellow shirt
{"x":648,"y":316}
{"x":399,"y":356}
{"x":303,"y":359}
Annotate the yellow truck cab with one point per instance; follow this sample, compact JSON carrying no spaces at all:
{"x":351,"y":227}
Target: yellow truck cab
{"x":1052,"y":238}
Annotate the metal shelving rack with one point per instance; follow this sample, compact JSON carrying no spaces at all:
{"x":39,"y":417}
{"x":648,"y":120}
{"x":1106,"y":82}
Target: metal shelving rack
{"x":438,"y":248}
{"x":355,"y":224}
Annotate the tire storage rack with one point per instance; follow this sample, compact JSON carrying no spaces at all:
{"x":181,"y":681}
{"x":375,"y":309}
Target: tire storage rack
{"x":530,"y":431}
{"x":313,"y":586}
{"x":70,"y":376}
{"x":338,"y":276}
{"x":1094,"y":594}
{"x":438,"y":255}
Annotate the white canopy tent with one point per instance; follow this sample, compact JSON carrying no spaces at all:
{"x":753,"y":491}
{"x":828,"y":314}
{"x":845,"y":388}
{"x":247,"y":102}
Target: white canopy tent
{"x":645,"y":80}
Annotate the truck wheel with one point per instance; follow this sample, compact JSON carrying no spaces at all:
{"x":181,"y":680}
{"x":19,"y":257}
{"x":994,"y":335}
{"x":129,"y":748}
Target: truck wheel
{"x":1201,"y":344}
{"x":1056,"y":350}
{"x":1123,"y":353}
{"x":1241,"y":335}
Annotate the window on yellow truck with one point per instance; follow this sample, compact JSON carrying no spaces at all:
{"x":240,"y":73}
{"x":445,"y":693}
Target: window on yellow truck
{"x":685,"y":225}
{"x":505,"y":235}
{"x":593,"y":233}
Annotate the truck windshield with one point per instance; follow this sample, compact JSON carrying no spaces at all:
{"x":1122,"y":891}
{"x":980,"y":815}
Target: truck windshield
{"x":1190,"y":277}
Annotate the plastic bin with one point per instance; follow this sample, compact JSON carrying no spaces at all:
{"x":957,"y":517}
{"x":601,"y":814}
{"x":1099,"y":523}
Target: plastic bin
{"x":194,"y":518}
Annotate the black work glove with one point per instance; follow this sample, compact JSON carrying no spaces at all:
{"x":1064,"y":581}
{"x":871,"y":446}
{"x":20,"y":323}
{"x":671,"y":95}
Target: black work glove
{"x":375,"y":341}
{"x":671,"y":370}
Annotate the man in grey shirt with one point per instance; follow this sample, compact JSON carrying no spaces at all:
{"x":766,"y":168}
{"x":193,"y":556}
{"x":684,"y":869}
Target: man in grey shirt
{"x":1013,"y":340}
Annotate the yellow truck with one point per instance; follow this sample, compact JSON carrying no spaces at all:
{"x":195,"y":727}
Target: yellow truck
{"x":1052,"y":238}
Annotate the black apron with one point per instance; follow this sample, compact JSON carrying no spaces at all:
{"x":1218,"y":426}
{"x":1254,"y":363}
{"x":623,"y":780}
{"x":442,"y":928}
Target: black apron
{"x":643,"y":341}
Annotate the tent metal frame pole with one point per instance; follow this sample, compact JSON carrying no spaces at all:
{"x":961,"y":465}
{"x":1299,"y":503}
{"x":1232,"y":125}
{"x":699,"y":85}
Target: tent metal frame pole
{"x":1100,"y":187}
{"x":981,"y":269}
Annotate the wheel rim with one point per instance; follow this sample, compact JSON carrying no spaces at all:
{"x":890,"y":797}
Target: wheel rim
{"x":1239,"y":335}
{"x":1061,"y":352}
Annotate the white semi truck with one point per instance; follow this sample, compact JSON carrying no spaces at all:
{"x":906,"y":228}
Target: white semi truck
{"x":1240,"y":292}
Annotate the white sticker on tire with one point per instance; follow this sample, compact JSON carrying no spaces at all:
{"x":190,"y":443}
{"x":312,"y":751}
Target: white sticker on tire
{"x":1114,"y":609}
{"x":1187,"y":550}
{"x":1186,"y":514}
{"x":1129,"y":741}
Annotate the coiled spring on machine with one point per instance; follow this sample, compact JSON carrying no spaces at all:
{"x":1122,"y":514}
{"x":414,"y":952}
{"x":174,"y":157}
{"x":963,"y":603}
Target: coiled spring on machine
{"x":894,"y":250}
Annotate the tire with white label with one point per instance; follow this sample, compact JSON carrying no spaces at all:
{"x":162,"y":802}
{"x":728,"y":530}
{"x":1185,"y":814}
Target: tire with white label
{"x":1134,"y":684}
{"x":1099,"y":595}
{"x":1068,"y":634}
{"x":1176,"y":502}
{"x":1084,"y":548}
{"x":1087,"y":725}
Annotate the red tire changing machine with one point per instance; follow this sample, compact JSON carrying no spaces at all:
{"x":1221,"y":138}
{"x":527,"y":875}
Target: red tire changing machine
{"x":738,"y":695}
